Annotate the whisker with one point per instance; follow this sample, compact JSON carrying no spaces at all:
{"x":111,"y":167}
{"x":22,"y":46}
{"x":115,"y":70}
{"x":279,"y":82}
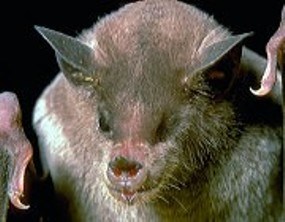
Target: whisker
{"x":177,"y":180}
{"x":162,"y":198}
{"x":186,"y":166}
{"x":174,"y":186}
{"x":180,"y":204}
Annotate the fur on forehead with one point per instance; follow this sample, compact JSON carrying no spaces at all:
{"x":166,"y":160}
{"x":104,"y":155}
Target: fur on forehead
{"x":181,"y":31}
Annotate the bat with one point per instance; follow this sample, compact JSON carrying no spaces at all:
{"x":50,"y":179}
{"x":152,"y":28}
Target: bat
{"x":15,"y":154}
{"x":153,"y":117}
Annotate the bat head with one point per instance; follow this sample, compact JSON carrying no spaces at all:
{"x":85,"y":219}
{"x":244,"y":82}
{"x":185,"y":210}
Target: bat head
{"x":161,"y":82}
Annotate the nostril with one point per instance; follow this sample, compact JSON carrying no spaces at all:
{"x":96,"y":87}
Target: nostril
{"x":122,"y":166}
{"x":133,"y":172}
{"x":117,"y":172}
{"x":126,"y":175}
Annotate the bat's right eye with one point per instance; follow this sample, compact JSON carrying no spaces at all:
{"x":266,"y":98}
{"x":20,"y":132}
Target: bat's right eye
{"x":104,"y":126}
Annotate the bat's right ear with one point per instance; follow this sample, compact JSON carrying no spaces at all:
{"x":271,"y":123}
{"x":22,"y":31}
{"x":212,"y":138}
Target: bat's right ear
{"x":76,"y":59}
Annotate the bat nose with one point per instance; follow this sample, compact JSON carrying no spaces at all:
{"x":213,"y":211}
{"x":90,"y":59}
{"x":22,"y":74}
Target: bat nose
{"x":125,"y":173}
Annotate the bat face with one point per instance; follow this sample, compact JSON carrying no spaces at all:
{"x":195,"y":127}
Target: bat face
{"x":155,"y":94}
{"x":144,"y":109}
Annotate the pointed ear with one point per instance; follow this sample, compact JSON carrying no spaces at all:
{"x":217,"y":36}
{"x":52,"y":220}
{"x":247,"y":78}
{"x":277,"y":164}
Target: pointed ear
{"x":76,"y":59}
{"x":215,"y":52}
{"x":220,"y":62}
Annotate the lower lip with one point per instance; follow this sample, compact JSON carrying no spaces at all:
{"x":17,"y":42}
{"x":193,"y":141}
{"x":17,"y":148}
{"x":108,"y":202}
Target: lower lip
{"x":125,"y":196}
{"x":128,"y":197}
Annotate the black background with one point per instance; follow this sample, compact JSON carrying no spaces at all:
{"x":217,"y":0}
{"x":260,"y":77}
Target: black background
{"x":27,"y":63}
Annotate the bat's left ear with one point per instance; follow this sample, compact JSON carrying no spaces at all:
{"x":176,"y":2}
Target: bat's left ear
{"x":220,"y":62}
{"x":76,"y":59}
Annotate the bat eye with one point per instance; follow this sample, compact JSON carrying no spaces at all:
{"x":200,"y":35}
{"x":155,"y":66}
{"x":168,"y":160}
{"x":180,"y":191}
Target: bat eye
{"x":161,"y":131}
{"x":104,"y":126}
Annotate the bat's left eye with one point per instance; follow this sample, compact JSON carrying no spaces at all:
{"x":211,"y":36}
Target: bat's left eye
{"x":104,"y":122}
{"x":163,"y":130}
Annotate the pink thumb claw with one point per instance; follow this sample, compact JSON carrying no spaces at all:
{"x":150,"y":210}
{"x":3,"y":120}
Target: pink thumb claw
{"x":16,"y":185}
{"x":272,"y":49}
{"x":269,"y":76}
{"x":15,"y":200}
{"x":14,"y":141}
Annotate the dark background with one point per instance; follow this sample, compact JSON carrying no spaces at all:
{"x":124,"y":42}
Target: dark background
{"x":27,"y":63}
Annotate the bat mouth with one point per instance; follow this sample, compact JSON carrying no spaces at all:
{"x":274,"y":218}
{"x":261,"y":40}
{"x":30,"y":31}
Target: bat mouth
{"x":131,"y":197}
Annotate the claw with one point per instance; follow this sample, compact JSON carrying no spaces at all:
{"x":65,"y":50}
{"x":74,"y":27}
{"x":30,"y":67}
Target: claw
{"x":15,"y":200}
{"x":269,"y":76}
{"x":16,"y":185}
{"x":273,"y":47}
{"x":13,"y":139}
